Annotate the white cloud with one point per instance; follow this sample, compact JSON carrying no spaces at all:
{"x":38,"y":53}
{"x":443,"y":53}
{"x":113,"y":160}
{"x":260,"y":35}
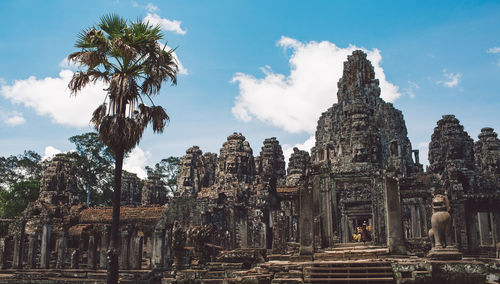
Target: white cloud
{"x":151,"y":8}
{"x":295,"y":102}
{"x":135,"y":4}
{"x":51,"y":97}
{"x":13,"y":118}
{"x":495,"y":49}
{"x":452,"y":79}
{"x":165,"y":24}
{"x":136,"y":161}
{"x":306,"y":146}
{"x":50,"y":152}
{"x":410,"y":91}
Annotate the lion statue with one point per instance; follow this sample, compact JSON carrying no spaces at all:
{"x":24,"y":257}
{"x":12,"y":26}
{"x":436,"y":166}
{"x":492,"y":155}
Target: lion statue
{"x":441,"y":232}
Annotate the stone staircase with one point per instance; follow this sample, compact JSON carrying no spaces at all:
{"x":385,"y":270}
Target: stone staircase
{"x":352,"y":251}
{"x":349,"y":272}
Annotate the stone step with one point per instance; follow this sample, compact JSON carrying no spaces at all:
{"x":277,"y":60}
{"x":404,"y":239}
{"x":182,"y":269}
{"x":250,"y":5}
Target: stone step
{"x":287,"y":281}
{"x":350,"y":280}
{"x":215,"y":274}
{"x":350,"y":268}
{"x":343,"y":274}
{"x":278,"y":257}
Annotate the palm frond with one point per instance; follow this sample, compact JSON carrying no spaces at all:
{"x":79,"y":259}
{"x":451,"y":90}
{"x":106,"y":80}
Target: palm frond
{"x":78,"y":81}
{"x":113,"y":25}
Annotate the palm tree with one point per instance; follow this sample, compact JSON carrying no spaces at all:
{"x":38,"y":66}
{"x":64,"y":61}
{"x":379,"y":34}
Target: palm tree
{"x":129,"y":59}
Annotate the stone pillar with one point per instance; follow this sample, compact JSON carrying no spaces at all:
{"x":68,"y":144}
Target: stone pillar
{"x":45,"y":247}
{"x":2,"y":253}
{"x":75,"y":258}
{"x":62,"y":244}
{"x":157,"y":249}
{"x":395,"y":233}
{"x":306,"y":219}
{"x":135,"y":255}
{"x":92,"y":253}
{"x":17,"y":261}
{"x":167,"y":245}
{"x":32,"y":247}
{"x":124,"y":249}
{"x":103,"y":253}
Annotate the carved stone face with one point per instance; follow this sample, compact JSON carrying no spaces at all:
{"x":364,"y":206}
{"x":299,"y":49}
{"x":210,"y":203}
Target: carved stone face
{"x":360,"y":153}
{"x":231,"y":166}
{"x":440,"y":203}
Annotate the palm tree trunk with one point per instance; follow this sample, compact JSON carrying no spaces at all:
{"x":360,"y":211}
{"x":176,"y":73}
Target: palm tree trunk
{"x":113,"y":252}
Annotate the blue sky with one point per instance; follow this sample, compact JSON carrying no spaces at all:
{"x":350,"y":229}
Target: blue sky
{"x":262,"y":68}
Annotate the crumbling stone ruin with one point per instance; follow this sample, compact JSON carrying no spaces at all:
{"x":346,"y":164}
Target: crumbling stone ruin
{"x":240,"y":216}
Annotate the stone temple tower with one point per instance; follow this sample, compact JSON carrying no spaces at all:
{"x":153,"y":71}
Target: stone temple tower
{"x":358,"y":140}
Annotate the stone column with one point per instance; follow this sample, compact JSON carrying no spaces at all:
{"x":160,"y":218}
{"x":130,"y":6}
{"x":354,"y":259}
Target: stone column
{"x":2,"y":253}
{"x":45,"y":247}
{"x":75,"y":258}
{"x":157,"y":249}
{"x":167,"y":245}
{"x":103,"y":254}
{"x":32,"y":247}
{"x":306,"y":219}
{"x":395,"y":233}
{"x":17,"y":261}
{"x":92,"y":253}
{"x":62,"y":244}
{"x":124,"y":249}
{"x":135,"y":256}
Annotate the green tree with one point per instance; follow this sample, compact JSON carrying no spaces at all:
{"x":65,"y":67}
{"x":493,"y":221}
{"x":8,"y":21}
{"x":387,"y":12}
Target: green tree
{"x":14,"y":169}
{"x":167,"y":169}
{"x":14,"y":201}
{"x":128,"y":57}
{"x":93,"y":162}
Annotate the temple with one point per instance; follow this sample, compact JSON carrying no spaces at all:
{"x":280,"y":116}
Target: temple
{"x":242,"y":216}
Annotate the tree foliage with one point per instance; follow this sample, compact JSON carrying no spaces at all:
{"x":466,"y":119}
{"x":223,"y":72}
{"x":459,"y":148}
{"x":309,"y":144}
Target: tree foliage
{"x":167,"y":169}
{"x":93,"y":163}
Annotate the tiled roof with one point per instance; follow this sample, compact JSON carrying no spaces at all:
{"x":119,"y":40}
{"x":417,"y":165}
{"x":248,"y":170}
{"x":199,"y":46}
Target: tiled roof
{"x":128,"y":214}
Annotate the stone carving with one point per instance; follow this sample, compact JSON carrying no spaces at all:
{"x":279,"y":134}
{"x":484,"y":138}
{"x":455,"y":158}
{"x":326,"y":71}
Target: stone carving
{"x":440,"y":234}
{"x":358,"y":133}
{"x":236,"y":163}
{"x":201,"y":238}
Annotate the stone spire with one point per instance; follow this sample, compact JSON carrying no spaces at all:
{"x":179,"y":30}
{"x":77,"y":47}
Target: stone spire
{"x":297,"y":165}
{"x":58,"y":184}
{"x":236,"y":162}
{"x":361,"y":132}
{"x":271,"y":162}
{"x":358,"y":83}
{"x":191,"y":172}
{"x":450,"y":146}
{"x":487,"y":154}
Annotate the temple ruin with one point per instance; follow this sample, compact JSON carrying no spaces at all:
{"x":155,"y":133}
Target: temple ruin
{"x":243,"y":216}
